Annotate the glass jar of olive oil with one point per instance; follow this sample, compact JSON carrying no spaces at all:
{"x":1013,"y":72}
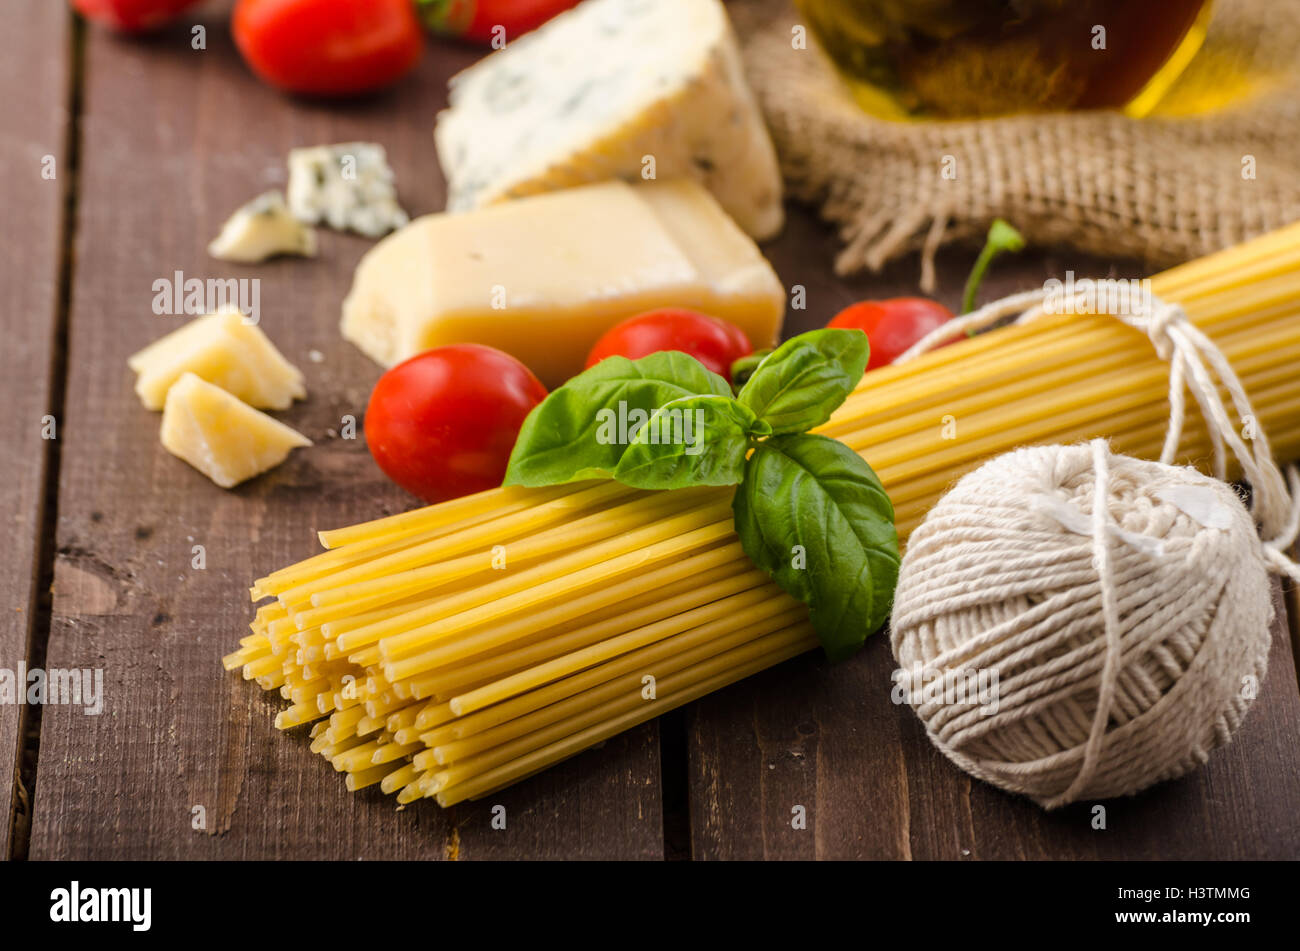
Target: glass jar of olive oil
{"x":960,"y":58}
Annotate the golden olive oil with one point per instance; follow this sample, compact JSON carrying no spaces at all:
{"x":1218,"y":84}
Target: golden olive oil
{"x":955,"y":58}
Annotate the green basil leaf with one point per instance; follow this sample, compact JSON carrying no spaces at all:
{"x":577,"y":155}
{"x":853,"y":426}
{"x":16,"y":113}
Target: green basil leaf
{"x":581,"y":430}
{"x":812,"y":514}
{"x":743,"y":369}
{"x":805,"y":379}
{"x":695,"y":440}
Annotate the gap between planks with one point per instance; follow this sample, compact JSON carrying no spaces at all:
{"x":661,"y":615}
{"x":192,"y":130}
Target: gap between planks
{"x":29,"y":722}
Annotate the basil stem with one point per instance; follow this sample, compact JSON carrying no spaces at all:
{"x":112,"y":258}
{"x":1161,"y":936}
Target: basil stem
{"x":743,"y":369}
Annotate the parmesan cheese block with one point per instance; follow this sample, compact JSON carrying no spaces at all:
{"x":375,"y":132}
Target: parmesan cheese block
{"x":542,"y":278}
{"x":224,"y":349}
{"x":633,"y":89}
{"x":228,"y":441}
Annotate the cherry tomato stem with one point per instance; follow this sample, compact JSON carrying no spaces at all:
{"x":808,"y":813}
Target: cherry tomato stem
{"x":488,"y":21}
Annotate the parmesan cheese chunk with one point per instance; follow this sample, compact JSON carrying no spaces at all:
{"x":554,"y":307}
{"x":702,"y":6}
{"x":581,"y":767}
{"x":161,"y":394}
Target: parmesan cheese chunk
{"x":225,"y":439}
{"x":542,"y":278}
{"x":262,"y":229}
{"x":224,"y":349}
{"x":632,"y":89}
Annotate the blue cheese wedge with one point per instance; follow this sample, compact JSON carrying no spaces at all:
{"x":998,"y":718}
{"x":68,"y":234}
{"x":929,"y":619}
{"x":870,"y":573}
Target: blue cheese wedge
{"x":348,"y":187}
{"x":632,"y":89}
{"x":262,"y":229}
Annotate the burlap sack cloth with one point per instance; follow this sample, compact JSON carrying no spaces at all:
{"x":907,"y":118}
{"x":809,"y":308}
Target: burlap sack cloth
{"x":1165,"y":188}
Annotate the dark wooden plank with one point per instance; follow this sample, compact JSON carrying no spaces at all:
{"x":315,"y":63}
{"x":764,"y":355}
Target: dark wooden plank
{"x":35,"y":67}
{"x":174,"y":140}
{"x":829,"y":739}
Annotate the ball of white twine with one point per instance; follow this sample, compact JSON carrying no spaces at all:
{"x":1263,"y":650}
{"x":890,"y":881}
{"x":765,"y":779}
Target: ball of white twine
{"x":1124,"y":606}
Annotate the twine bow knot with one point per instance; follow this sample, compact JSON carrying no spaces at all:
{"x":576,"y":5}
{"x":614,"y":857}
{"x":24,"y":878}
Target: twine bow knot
{"x":1195,"y":365}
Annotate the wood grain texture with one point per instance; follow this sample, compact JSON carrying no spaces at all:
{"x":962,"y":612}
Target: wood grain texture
{"x":34,"y":81}
{"x":829,"y":739}
{"x":174,"y":140}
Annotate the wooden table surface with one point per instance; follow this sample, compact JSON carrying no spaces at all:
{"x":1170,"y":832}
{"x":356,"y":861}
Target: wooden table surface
{"x":153,"y":144}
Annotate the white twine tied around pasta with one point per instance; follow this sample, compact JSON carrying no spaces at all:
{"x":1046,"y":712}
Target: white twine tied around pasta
{"x":1192,"y":355}
{"x":1174,"y":739}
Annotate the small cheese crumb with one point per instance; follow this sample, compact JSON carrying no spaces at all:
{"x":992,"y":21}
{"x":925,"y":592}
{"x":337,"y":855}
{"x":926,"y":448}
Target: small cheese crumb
{"x":262,"y":229}
{"x":348,"y":187}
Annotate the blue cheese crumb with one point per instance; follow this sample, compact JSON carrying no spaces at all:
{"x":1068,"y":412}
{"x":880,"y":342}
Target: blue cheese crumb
{"x":261,"y":229}
{"x":348,"y":187}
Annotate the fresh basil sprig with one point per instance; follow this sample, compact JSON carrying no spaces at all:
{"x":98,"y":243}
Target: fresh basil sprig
{"x":581,"y":430}
{"x":809,"y":510}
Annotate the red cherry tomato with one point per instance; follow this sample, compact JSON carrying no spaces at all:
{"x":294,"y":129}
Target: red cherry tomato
{"x":892,"y":325}
{"x":715,"y":343}
{"x":328,"y":47}
{"x":475,"y":20}
{"x":131,"y":16}
{"x":443,"y":424}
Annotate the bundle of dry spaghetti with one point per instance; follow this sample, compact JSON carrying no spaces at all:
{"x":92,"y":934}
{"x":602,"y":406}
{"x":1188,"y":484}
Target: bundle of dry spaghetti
{"x":459,"y":648}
